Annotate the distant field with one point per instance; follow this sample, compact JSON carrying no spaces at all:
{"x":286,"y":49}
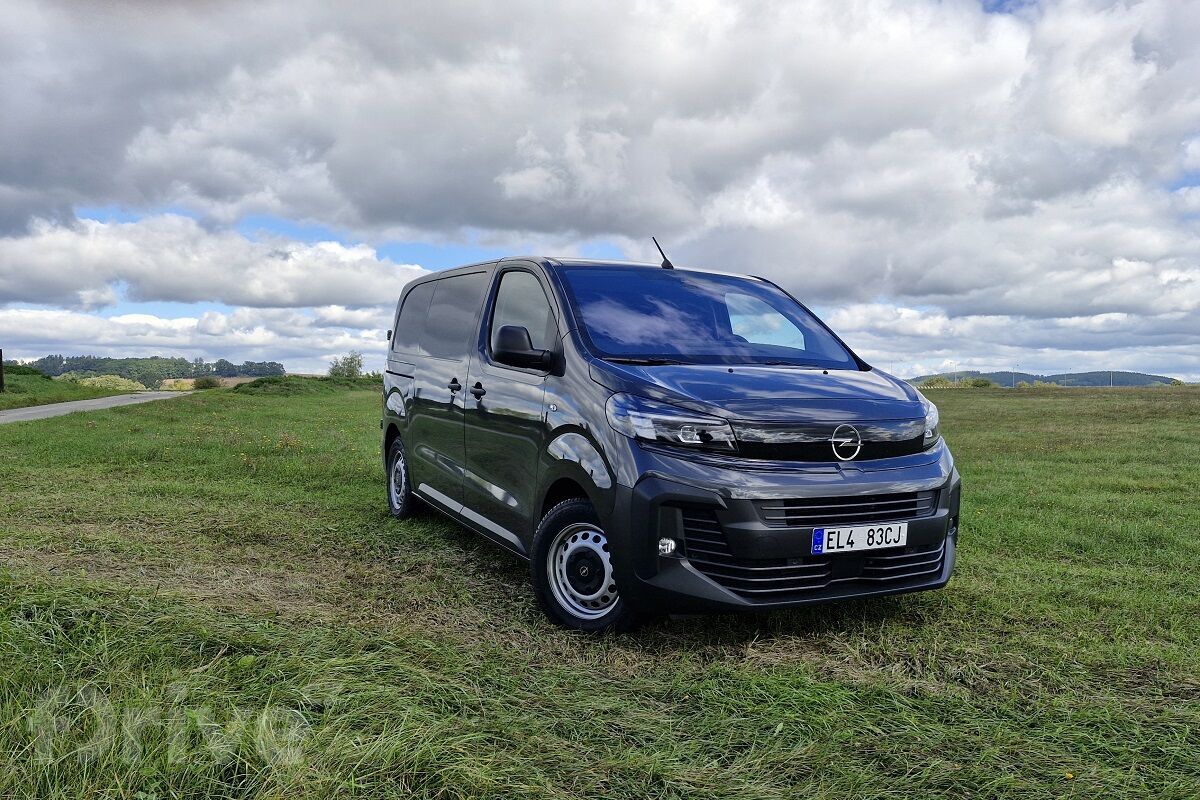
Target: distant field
{"x":206,"y":597}
{"x":21,"y":391}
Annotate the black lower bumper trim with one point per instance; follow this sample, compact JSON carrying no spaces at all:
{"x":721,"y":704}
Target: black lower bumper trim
{"x":728,"y":559}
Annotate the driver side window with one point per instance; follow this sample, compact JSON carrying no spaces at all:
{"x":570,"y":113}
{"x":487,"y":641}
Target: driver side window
{"x":521,"y":301}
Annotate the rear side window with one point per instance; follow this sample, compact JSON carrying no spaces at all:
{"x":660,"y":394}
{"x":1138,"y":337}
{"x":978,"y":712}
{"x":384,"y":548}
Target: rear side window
{"x":450,"y":325}
{"x":521,"y":301}
{"x":407,"y":338}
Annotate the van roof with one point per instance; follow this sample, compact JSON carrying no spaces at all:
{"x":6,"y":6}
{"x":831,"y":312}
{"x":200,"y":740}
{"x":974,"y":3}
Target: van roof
{"x":557,"y":261}
{"x":554,"y":261}
{"x":551,"y":261}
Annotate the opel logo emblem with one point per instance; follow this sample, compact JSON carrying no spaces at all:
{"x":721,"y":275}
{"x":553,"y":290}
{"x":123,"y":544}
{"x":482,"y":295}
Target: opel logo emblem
{"x":583,"y":570}
{"x":847,"y":442}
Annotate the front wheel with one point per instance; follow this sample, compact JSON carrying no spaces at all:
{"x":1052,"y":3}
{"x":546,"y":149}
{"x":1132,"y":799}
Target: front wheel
{"x":399,"y":485}
{"x":573,"y":573}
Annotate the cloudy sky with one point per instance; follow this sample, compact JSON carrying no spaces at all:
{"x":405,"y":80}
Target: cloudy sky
{"x":983,"y":184}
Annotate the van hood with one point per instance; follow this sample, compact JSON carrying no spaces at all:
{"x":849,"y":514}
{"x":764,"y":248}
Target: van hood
{"x":768,"y":393}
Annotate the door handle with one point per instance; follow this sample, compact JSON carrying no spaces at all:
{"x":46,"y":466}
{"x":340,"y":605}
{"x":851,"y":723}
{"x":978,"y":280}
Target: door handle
{"x":454,"y":385}
{"x":478,"y":390}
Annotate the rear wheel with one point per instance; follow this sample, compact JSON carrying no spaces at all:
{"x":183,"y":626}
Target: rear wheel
{"x":399,"y":485}
{"x":573,"y":573}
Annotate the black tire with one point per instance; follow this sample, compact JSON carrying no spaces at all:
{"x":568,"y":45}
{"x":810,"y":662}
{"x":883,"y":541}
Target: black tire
{"x":573,"y":530}
{"x":398,"y":481}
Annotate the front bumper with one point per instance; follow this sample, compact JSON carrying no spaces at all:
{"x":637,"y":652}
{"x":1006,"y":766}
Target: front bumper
{"x":730,"y":556}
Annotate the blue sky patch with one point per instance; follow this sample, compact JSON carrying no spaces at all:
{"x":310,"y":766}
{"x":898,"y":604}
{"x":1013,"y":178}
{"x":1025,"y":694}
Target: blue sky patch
{"x":1006,"y":6}
{"x":1189,"y":178}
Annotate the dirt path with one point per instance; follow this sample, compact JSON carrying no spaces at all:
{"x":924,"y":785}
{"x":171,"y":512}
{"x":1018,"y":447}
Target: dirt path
{"x":58,"y":409}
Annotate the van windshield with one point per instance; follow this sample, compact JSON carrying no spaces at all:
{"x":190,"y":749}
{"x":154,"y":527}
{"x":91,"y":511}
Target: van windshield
{"x":653,"y":316}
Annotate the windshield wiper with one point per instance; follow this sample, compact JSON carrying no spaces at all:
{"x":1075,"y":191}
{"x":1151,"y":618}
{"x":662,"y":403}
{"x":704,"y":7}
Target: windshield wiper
{"x":642,"y":362}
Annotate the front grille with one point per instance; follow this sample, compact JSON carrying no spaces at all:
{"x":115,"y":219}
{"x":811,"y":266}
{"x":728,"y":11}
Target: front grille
{"x":823,"y":451}
{"x":818,"y":512}
{"x":910,"y":563}
{"x":780,"y":579}
{"x":813,"y":441}
{"x":705,"y":546}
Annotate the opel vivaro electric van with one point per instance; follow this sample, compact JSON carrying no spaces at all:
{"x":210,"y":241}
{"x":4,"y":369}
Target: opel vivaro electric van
{"x":662,"y":440}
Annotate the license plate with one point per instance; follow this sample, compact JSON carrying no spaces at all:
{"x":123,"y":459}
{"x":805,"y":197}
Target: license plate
{"x":828,"y":541}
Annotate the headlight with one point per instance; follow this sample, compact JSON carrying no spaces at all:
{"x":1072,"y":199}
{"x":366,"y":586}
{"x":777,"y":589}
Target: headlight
{"x":639,"y":418}
{"x":933,"y":428}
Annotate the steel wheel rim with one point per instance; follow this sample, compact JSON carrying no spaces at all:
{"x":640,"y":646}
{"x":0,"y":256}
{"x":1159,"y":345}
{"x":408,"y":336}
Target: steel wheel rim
{"x":397,"y":480}
{"x":587,"y":543}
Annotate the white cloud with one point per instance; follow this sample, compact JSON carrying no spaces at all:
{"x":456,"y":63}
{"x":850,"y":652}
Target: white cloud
{"x":909,"y":341}
{"x":303,"y":341}
{"x":905,"y":155}
{"x":173,"y":258}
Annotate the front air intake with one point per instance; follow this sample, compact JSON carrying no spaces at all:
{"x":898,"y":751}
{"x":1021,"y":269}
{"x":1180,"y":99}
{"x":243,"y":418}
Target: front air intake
{"x":814,"y":512}
{"x":774,"y":580}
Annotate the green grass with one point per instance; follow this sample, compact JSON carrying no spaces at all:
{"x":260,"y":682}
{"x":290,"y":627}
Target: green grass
{"x":209,"y":598}
{"x":35,"y":390}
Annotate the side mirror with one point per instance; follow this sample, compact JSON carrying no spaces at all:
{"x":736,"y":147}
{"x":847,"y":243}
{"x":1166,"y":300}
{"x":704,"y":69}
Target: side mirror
{"x":514,"y":348}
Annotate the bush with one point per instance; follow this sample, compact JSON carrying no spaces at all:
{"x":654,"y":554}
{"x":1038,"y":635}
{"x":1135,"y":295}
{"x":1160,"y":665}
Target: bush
{"x":206,"y":382}
{"x":977,"y":383}
{"x":348,"y":366}
{"x":113,"y":383}
{"x":936,"y":382}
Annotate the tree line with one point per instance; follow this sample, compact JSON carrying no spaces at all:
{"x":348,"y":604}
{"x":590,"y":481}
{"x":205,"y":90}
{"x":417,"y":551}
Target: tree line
{"x":152,"y":371}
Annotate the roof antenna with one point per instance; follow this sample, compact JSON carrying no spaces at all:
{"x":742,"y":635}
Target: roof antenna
{"x":666,"y":261}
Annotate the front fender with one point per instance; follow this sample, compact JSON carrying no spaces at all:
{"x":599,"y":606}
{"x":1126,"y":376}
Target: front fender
{"x":572,"y":455}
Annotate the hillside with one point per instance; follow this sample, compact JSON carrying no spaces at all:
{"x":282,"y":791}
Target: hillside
{"x":24,"y":388}
{"x":1074,"y":379}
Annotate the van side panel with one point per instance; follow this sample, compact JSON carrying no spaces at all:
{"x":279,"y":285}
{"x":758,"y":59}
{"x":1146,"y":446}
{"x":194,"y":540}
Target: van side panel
{"x":506,"y":418}
{"x":398,"y":376}
{"x":436,"y":444}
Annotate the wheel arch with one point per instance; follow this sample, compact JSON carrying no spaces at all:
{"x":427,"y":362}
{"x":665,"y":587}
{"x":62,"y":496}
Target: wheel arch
{"x":389,"y":435}
{"x":576,"y":468}
{"x":564,"y":488}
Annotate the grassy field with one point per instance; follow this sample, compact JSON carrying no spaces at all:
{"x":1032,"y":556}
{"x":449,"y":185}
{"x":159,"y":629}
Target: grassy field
{"x":35,"y":390}
{"x":206,"y":597}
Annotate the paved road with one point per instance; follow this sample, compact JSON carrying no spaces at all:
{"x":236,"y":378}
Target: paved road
{"x":58,"y":409}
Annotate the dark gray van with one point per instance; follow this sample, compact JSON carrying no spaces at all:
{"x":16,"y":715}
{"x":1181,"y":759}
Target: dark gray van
{"x":659,"y":440}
